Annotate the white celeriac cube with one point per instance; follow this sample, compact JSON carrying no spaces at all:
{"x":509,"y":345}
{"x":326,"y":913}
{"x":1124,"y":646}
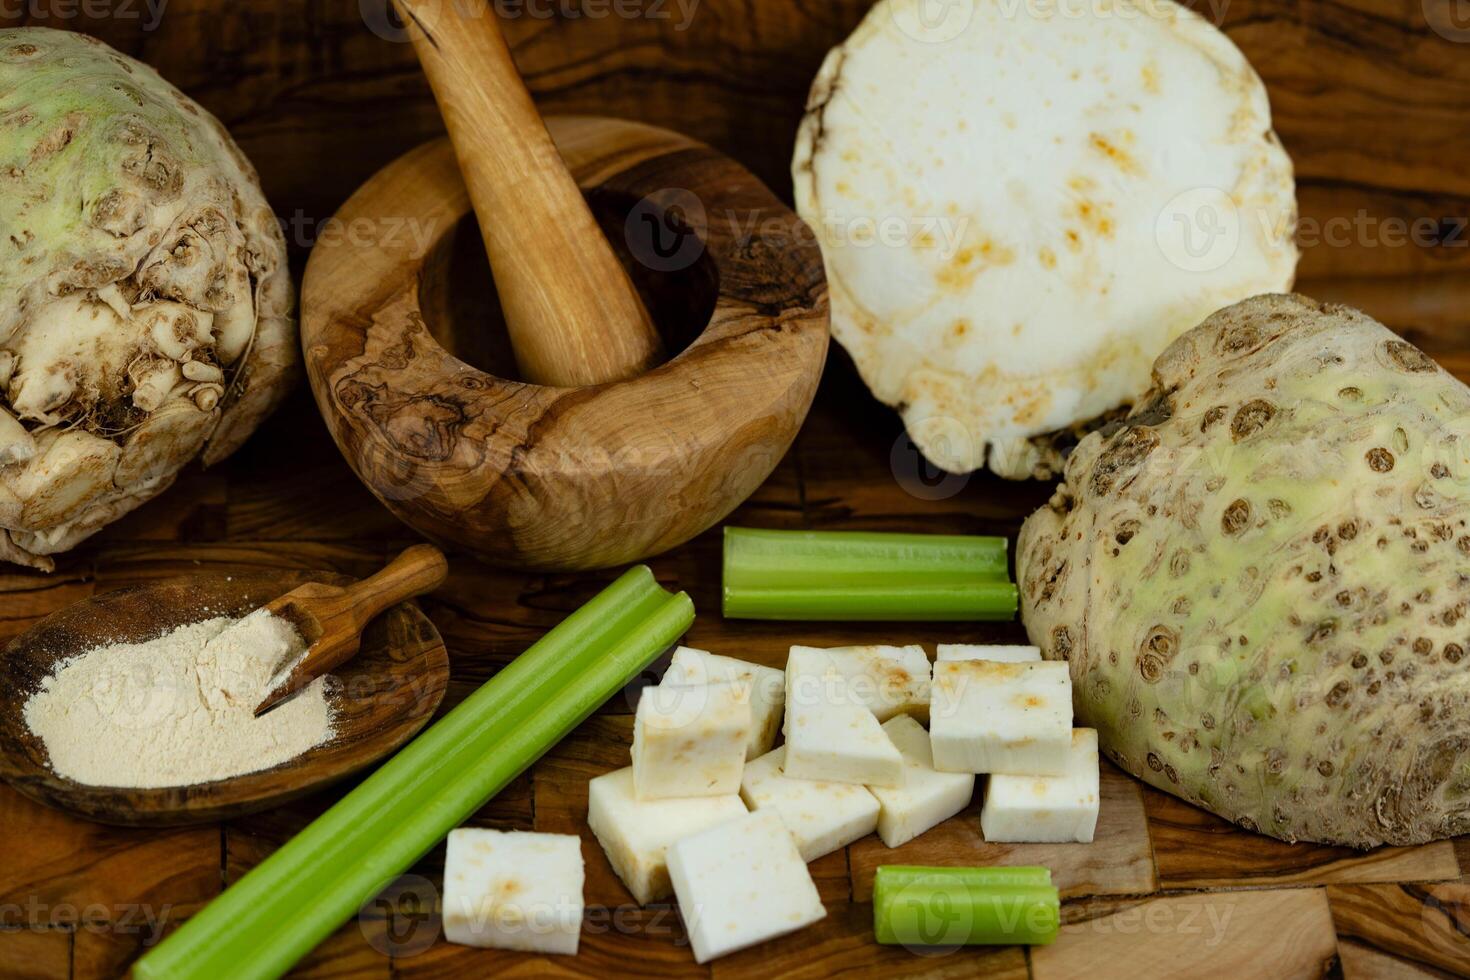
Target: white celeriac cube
{"x":513,"y":890}
{"x":689,"y":740}
{"x":1047,"y":809}
{"x":842,"y":743}
{"x":927,"y":797}
{"x":740,"y":884}
{"x":1001,"y":718}
{"x":886,"y":680}
{"x":999,"y":654}
{"x":822,"y":816}
{"x":636,"y":834}
{"x":767,"y":687}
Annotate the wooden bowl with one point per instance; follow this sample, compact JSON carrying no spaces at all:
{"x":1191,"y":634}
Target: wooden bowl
{"x":387,"y":694}
{"x":567,"y":478}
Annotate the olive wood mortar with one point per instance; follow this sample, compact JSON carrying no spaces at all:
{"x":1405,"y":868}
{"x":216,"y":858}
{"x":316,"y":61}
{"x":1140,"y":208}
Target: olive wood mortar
{"x":385,"y":696}
{"x":561,"y":478}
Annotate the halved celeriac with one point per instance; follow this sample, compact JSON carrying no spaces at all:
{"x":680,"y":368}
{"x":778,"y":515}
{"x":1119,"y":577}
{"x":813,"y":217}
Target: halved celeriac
{"x":1021,"y":204}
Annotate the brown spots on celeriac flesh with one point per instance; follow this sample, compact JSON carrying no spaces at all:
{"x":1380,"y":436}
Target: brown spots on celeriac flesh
{"x":1296,"y":664}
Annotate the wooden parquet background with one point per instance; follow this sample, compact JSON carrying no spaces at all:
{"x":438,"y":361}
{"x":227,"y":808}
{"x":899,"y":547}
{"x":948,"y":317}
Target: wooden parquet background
{"x":1165,"y":889}
{"x":1372,"y":99}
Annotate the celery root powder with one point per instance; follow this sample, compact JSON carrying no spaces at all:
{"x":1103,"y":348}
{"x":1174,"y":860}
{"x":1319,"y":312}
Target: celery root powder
{"x":179,"y":709}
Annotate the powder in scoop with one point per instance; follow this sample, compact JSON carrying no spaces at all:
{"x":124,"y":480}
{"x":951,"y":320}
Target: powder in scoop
{"x":178,"y":709}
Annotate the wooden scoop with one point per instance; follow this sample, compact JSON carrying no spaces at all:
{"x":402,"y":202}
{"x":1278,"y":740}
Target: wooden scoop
{"x":331,"y":618}
{"x":386,"y":695}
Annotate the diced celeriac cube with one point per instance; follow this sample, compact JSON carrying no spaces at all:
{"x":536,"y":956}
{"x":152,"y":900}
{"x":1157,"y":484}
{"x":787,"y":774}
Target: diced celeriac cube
{"x":636,"y":834}
{"x":927,"y":797}
{"x":767,"y":689}
{"x":999,"y":654}
{"x":1047,"y":809}
{"x":821,"y":815}
{"x":842,"y":743}
{"x":886,"y":680}
{"x":513,"y":890}
{"x":742,"y":883}
{"x":995,"y":717}
{"x":690,"y":740}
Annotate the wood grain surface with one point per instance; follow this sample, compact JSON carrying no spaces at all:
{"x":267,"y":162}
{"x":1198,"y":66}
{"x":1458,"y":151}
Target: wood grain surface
{"x":77,"y":899}
{"x":569,"y":478}
{"x":1371,"y":99}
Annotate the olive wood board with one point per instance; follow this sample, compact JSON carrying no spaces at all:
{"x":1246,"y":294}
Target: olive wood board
{"x":381,"y":698}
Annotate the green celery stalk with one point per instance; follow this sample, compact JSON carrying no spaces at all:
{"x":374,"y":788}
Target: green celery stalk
{"x":914,"y":906}
{"x":266,"y":922}
{"x":858,"y":575}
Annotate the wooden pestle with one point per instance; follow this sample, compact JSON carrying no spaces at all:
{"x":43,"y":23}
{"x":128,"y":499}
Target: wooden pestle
{"x":572,"y":312}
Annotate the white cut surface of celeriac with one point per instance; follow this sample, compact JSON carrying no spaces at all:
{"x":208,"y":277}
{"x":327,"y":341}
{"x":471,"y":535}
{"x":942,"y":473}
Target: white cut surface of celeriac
{"x":513,"y":890}
{"x":1047,"y":809}
{"x":886,"y":680}
{"x":822,"y":816}
{"x":635,"y":834}
{"x":841,"y":742}
{"x":927,"y":797}
{"x":767,"y":687}
{"x":690,"y":740}
{"x":998,"y":654}
{"x":740,"y":884}
{"x":1021,"y":205}
{"x":991,"y":717}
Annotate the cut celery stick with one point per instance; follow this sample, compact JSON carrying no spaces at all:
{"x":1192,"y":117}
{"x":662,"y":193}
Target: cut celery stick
{"x":293,"y":900}
{"x":915,"y":906}
{"x":857,"y":575}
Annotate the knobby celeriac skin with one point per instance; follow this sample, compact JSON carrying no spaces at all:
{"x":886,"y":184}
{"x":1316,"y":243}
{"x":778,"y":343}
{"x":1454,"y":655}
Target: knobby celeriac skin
{"x":1261,"y":579}
{"x":145,"y":302}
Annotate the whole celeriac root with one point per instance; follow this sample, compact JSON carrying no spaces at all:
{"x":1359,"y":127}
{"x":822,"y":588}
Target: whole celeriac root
{"x":145,"y":303}
{"x":1261,"y":579}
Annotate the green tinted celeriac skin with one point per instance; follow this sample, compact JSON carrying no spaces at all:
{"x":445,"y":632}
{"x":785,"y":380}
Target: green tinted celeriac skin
{"x":1261,"y":580}
{"x":145,"y":303}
